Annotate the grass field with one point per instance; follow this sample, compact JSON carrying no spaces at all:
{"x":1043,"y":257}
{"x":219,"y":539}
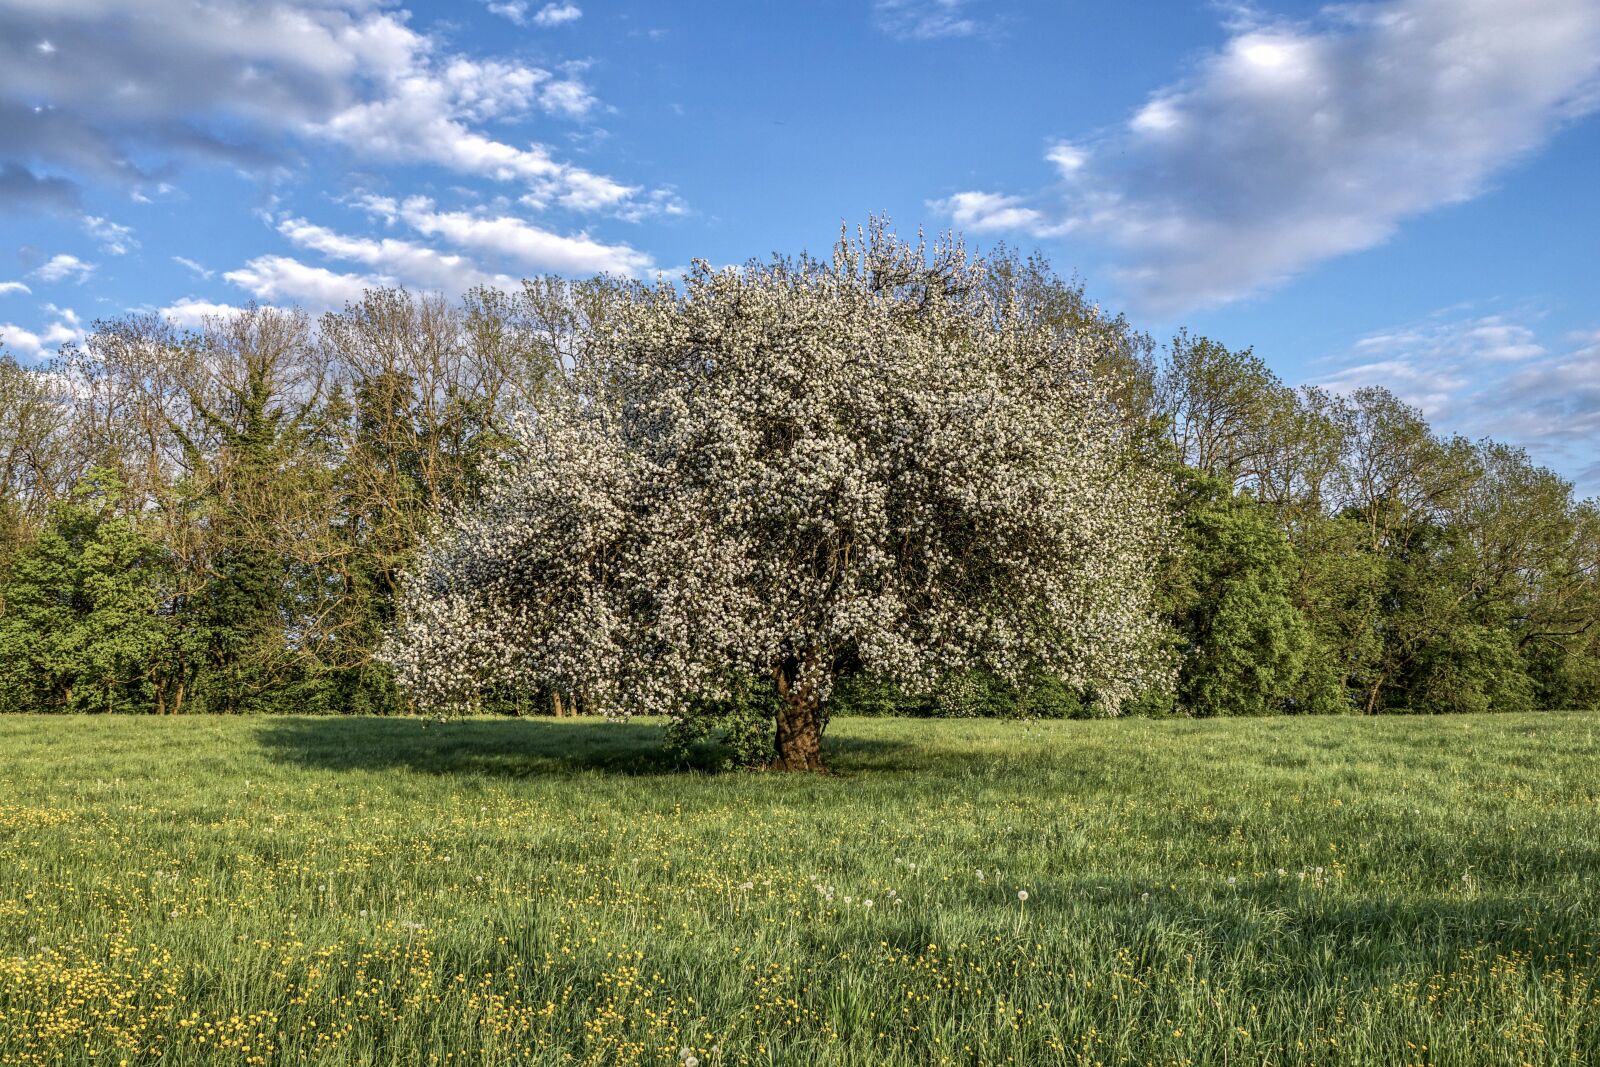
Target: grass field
{"x":364,"y":891}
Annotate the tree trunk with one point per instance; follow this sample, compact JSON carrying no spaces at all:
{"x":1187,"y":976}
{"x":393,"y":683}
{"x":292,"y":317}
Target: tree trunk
{"x":1372,"y":695}
{"x":799,"y":734}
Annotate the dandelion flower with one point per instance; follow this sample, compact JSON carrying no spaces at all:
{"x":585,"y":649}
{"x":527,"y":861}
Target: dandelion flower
{"x":1022,"y":895}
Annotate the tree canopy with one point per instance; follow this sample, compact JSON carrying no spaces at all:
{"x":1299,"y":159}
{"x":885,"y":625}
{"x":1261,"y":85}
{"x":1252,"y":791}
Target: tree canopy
{"x":877,"y":463}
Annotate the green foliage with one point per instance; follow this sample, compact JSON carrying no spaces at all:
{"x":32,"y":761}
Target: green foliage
{"x":735,"y":731}
{"x":983,"y":695}
{"x":1247,"y":648}
{"x":862,"y":694}
{"x":1338,"y":592}
{"x":973,"y":694}
{"x":1471,"y":668}
{"x":1560,"y":677}
{"x":89,"y":620}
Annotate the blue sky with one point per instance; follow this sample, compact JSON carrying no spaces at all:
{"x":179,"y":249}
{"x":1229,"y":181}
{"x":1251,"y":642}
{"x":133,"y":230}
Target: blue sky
{"x":1396,"y":192}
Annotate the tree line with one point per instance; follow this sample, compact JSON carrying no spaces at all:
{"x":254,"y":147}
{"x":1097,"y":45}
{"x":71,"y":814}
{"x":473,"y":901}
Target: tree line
{"x":223,"y":519}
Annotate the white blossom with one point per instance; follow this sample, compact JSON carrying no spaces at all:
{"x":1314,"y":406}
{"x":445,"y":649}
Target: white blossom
{"x":780,"y":470}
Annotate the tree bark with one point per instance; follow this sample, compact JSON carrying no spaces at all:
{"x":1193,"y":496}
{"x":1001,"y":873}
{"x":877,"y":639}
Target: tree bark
{"x":798,"y":743}
{"x":1372,"y":695}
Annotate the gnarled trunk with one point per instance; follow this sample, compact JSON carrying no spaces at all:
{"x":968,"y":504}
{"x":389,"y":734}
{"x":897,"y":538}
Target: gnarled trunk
{"x":798,"y":743}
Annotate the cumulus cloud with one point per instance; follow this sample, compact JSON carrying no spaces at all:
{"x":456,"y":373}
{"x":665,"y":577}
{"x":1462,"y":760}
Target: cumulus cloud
{"x":925,"y":20}
{"x":63,"y":267}
{"x":1492,"y":376}
{"x":547,"y":16}
{"x":1299,"y":141}
{"x":191,"y":313}
{"x":991,"y":212}
{"x":407,"y":262}
{"x":515,"y":10}
{"x":522,"y":245}
{"x":557,"y":14}
{"x":126,"y":90}
{"x":483,"y":243}
{"x":66,"y":328}
{"x":10,"y":288}
{"x":286,"y":279}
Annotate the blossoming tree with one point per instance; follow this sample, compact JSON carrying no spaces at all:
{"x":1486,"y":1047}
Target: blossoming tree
{"x":781,"y":471}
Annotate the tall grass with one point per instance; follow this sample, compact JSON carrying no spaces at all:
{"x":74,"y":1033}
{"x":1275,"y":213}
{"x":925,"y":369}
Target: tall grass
{"x":368,"y":891}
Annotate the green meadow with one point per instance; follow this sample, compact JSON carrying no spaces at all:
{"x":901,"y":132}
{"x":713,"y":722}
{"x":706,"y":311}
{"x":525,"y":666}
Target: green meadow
{"x":1336,"y":890}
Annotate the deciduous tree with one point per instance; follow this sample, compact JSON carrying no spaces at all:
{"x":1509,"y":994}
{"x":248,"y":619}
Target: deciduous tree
{"x":781,"y":470}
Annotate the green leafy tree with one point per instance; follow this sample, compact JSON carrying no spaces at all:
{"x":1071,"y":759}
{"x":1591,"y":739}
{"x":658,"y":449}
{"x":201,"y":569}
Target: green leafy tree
{"x":1246,"y":647}
{"x":89,"y":624}
{"x":1470,"y":668}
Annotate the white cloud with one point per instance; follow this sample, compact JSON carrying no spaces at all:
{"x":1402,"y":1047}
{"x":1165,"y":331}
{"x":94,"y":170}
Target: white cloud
{"x":988,"y":212}
{"x":515,"y":10}
{"x":63,"y":267}
{"x":407,"y":127}
{"x":521,"y":244}
{"x":232,"y":80}
{"x":8,"y":288}
{"x":1068,"y":158}
{"x":547,"y":16}
{"x":113,"y":237}
{"x":925,"y":20}
{"x":286,"y":278}
{"x":67,"y":328}
{"x":191,"y":313}
{"x":411,"y":264}
{"x":558,"y":14}
{"x":1485,"y":339}
{"x":1296,"y":142}
{"x":200,"y":269}
{"x":1492,"y":376}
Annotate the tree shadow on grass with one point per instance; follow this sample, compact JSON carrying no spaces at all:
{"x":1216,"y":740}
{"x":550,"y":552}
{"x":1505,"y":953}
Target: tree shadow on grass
{"x":505,"y":748}
{"x":509,"y":748}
